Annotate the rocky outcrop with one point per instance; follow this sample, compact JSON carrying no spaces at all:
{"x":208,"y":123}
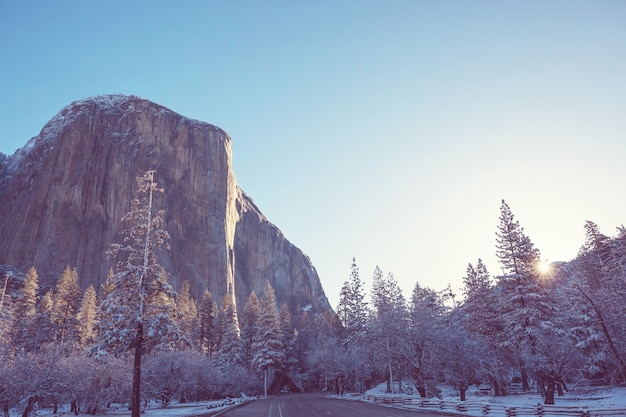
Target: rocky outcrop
{"x":62,"y":197}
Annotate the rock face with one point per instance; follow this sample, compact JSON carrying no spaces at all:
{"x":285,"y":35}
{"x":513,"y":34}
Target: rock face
{"x":62,"y":197}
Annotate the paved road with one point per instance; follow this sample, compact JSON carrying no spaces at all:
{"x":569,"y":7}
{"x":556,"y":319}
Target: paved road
{"x":315,"y":405}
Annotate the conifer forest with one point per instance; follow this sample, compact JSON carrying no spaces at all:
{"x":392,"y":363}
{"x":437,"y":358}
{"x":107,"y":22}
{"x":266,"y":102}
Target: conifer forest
{"x":531,"y":326}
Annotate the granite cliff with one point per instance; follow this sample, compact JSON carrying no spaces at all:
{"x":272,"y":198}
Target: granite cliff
{"x":63,"y":194}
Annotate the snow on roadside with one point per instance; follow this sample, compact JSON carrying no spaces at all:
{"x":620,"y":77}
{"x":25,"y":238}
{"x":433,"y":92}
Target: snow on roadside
{"x":592,"y":398}
{"x":175,"y":410}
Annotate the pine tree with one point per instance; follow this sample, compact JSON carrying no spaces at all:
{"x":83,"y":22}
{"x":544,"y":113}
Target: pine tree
{"x":66,"y":303}
{"x":86,"y":317}
{"x":208,"y":324}
{"x":477,"y":280}
{"x":249,"y":320}
{"x":479,"y":312}
{"x":230,"y":351}
{"x":137,"y":314}
{"x":267,"y":348}
{"x":522,"y":307}
{"x":352,"y":309}
{"x":43,"y":330}
{"x":289,"y":339}
{"x":599,"y":282}
{"x":188,"y":312}
{"x":25,"y":311}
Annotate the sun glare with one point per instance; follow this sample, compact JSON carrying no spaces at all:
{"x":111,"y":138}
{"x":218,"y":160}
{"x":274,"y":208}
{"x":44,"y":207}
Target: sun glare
{"x":544,"y":267}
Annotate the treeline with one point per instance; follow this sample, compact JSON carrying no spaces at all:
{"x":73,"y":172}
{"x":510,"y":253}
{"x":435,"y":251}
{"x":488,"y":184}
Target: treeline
{"x":58,"y":348}
{"x":535,"y":327}
{"x":538,"y":328}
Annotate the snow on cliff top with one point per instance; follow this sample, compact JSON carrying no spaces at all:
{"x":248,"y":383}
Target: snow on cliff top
{"x":105,"y":102}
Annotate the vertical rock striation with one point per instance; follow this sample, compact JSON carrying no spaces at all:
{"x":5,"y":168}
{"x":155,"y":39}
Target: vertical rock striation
{"x":62,"y":197}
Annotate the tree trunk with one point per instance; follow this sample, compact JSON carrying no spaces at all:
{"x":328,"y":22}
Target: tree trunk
{"x":29,"y":406}
{"x":496,"y":387}
{"x":462,"y":393}
{"x":136,"y":394}
{"x":264,"y":383}
{"x":524,"y":375}
{"x":549,"y":390}
{"x":422,"y":391}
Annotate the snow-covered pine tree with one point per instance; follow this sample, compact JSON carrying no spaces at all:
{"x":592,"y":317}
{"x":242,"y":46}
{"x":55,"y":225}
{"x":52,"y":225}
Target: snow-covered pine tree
{"x":352,"y":309}
{"x":66,"y":303}
{"x":343,"y":307}
{"x":188,"y":315}
{"x":523,"y":307}
{"x":25,"y":311}
{"x":43,"y":331}
{"x":230,"y":350}
{"x":137,"y":314}
{"x":516,"y":253}
{"x":477,"y":279}
{"x":479,"y":312}
{"x":267,"y":348}
{"x":86,"y":317}
{"x":599,"y":281}
{"x":289,"y":339}
{"x":249,"y":320}
{"x":208,"y":324}
{"x":479,"y":316}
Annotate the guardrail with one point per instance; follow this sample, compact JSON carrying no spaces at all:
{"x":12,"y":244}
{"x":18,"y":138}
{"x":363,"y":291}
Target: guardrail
{"x":462,"y":407}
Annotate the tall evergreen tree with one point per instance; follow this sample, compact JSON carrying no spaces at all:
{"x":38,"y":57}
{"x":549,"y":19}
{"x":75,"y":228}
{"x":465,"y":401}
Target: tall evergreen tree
{"x":522,"y":306}
{"x":138,"y":311}
{"x":479,"y":311}
{"x":249,"y":321}
{"x":208,"y":324}
{"x":25,"y":311}
{"x":230,"y":351}
{"x":66,"y":304}
{"x":477,"y":280}
{"x":267,"y":348}
{"x":599,"y":282}
{"x":43,"y":331}
{"x":188,"y":314}
{"x":515,"y":251}
{"x":289,"y":339}
{"x":352,"y":309}
{"x":86,"y":317}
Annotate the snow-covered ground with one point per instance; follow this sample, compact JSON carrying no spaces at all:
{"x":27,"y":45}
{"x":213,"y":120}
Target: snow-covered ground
{"x":609,"y":398}
{"x":175,"y":410}
{"x":591,"y":398}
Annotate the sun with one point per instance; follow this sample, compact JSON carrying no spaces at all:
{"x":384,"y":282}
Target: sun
{"x":544,"y":267}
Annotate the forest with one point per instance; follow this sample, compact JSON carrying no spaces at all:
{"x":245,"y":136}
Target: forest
{"x":534,"y":327}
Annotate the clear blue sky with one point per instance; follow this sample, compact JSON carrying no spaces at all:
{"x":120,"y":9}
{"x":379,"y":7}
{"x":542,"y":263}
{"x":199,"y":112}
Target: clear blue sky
{"x":384,"y":130}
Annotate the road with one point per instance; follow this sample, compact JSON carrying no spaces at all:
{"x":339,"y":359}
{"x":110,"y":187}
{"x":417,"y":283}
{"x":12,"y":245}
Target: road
{"x":314,"y":405}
